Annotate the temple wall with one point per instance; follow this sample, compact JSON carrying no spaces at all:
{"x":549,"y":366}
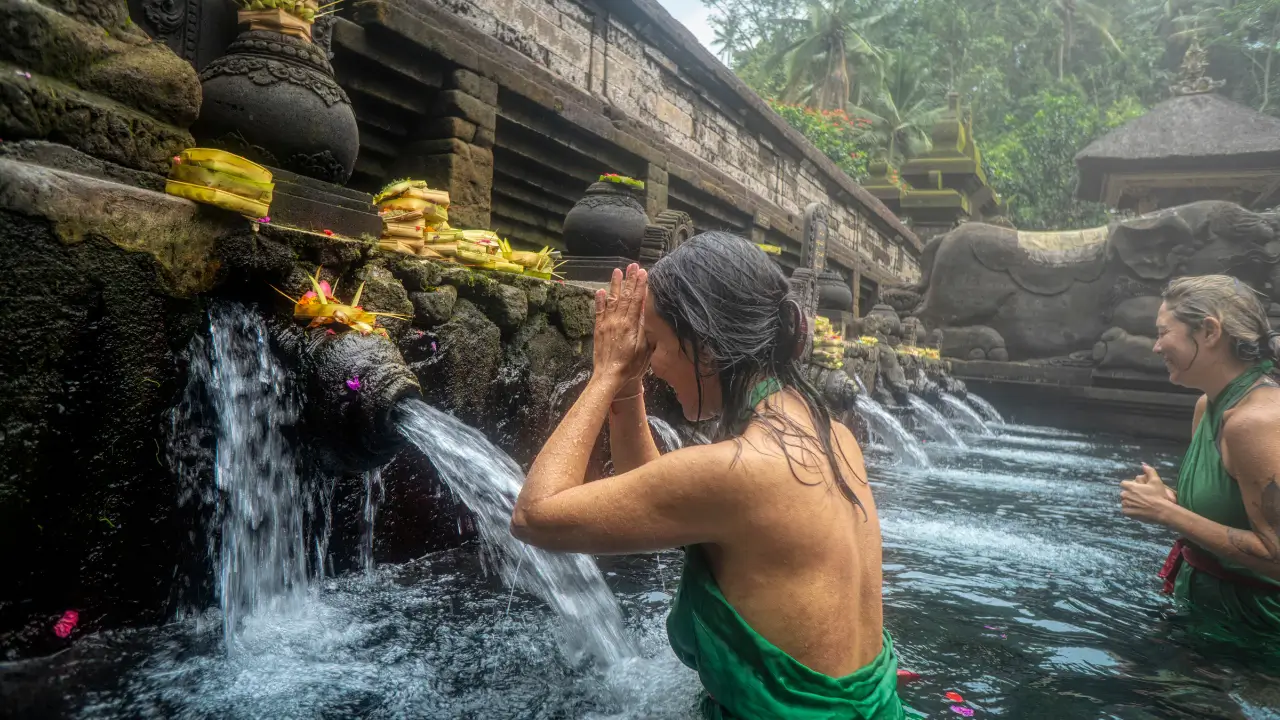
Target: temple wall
{"x":720,"y":155}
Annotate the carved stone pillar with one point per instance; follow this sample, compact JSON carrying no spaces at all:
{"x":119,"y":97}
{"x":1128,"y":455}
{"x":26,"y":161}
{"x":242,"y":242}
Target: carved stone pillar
{"x":455,"y":153}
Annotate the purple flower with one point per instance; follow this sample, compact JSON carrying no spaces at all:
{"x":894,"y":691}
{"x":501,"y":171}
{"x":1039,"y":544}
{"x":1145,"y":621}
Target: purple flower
{"x":354,"y":383}
{"x":264,"y":219}
{"x":433,"y":346}
{"x":962,"y":710}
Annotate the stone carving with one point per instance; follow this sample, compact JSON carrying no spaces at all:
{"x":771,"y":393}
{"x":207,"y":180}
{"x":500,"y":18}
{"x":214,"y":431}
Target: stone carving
{"x":834,"y":292}
{"x":1001,"y":294}
{"x":277,"y":94}
{"x":814,"y":254}
{"x":608,"y":221}
{"x":164,"y":16}
{"x":1192,"y":80}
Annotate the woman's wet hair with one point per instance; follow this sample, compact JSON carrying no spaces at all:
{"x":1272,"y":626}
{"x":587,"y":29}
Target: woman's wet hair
{"x":1234,"y":304}
{"x":734,"y":314}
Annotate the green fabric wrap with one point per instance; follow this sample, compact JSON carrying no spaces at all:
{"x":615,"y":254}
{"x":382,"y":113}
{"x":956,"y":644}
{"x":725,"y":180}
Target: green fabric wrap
{"x":1208,"y":490}
{"x":746,"y":676}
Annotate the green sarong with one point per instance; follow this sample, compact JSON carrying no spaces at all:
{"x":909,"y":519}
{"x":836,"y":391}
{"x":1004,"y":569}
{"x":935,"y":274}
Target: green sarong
{"x":1207,"y":489}
{"x":747,"y":677}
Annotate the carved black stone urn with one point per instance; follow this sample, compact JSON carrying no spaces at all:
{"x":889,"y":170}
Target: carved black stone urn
{"x":272,"y":98}
{"x":834,"y":292}
{"x":608,"y":221}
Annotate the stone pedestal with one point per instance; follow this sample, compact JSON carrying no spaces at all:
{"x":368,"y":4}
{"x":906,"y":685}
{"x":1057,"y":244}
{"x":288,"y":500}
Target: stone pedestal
{"x":592,"y":269}
{"x":83,"y":75}
{"x":455,"y":152}
{"x":310,"y":204}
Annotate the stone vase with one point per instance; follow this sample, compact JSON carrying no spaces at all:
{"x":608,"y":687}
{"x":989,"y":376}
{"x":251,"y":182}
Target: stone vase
{"x":272,"y":98}
{"x":834,"y":292}
{"x":608,"y":221}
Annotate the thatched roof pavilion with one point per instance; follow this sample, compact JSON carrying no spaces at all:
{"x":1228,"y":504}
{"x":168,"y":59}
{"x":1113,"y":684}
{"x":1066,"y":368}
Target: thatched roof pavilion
{"x":1196,"y":145}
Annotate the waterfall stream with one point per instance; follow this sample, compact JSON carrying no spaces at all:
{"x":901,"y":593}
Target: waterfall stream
{"x":885,"y":428}
{"x":668,"y":436}
{"x":373,"y":496}
{"x":963,"y":412}
{"x":487,"y":481}
{"x":987,"y":409}
{"x":934,"y":422}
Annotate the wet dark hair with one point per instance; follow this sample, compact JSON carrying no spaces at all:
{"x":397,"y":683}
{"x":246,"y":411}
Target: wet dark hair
{"x":730,"y":306}
{"x":1235,"y":305}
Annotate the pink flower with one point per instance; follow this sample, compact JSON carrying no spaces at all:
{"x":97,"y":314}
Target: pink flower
{"x":354,"y":383}
{"x":328,"y":232}
{"x":264,"y":219}
{"x":962,"y":710}
{"x":66,"y":624}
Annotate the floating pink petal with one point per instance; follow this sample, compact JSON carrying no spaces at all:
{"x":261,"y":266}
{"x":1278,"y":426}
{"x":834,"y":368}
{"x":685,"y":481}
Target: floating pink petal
{"x":354,"y":383}
{"x":906,"y":676}
{"x":962,"y":710}
{"x":66,"y":624}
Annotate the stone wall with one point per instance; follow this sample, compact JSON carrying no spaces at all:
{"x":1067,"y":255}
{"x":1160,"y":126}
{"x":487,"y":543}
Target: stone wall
{"x":622,"y":72}
{"x":607,"y":55}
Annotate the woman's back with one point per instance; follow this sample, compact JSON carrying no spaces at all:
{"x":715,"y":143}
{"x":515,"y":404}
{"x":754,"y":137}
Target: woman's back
{"x":804,"y":569}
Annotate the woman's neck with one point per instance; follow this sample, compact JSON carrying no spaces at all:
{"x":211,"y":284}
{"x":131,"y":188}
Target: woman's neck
{"x":1224,"y":373}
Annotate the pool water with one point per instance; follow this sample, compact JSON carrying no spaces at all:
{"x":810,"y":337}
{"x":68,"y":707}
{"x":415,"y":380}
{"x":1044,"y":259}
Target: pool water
{"x":1011,"y":579}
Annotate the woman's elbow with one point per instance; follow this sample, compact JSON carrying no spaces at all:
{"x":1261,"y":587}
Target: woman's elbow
{"x":525,"y":528}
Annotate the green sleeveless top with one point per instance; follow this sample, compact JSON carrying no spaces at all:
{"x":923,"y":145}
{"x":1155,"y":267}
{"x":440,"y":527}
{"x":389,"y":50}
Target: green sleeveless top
{"x":1207,"y":489}
{"x":746,"y":676}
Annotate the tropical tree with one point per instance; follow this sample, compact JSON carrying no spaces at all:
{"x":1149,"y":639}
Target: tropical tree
{"x":1072,"y":12}
{"x":822,"y":64}
{"x":902,"y":108}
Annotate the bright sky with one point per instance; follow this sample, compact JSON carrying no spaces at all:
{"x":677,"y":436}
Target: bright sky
{"x":693,"y":15}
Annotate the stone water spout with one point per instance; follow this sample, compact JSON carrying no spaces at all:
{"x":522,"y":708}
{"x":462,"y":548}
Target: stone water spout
{"x":352,"y":383}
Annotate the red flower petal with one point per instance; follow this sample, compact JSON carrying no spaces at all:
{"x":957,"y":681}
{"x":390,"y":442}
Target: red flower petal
{"x":954,"y":697}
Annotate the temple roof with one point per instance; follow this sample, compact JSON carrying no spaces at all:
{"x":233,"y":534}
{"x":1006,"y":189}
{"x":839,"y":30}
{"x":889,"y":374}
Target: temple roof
{"x":1189,"y":132}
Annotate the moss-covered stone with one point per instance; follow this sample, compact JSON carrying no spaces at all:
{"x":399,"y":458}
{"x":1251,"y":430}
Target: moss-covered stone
{"x":460,"y":369}
{"x":384,"y":293}
{"x":576,"y":314}
{"x":417,"y":274}
{"x":128,"y":69}
{"x":42,"y":108}
{"x":508,"y":307}
{"x":434,"y":307}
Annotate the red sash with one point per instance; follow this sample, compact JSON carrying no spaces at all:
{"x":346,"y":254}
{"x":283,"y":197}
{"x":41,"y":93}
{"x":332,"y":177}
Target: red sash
{"x":1206,"y":563}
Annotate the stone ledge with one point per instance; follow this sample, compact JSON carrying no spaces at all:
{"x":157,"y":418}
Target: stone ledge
{"x":179,"y":234}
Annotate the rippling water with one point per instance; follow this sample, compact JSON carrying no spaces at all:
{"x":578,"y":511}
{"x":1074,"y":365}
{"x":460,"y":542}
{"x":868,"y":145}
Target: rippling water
{"x":1010,"y":578}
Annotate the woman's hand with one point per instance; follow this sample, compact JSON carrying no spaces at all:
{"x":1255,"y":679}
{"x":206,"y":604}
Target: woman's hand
{"x":621,"y":350}
{"x":1146,"y":497}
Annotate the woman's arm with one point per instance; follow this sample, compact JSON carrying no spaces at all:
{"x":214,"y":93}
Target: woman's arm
{"x":677,"y":499}
{"x":630,"y":439}
{"x":1253,"y":446}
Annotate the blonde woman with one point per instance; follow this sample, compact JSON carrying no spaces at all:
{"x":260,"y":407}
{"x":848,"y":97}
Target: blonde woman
{"x":1214,"y":336}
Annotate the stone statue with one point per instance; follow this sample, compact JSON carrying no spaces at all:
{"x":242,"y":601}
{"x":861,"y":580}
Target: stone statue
{"x":1000,"y":294}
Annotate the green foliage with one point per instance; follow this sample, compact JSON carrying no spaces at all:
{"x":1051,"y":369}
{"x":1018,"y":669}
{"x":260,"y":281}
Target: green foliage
{"x":833,"y":132}
{"x":1042,"y":78}
{"x":1032,"y":164}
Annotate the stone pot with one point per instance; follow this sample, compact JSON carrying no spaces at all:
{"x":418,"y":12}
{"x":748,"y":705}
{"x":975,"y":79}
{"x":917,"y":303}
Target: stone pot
{"x":834,"y":292}
{"x":272,"y":98}
{"x":608,"y":221}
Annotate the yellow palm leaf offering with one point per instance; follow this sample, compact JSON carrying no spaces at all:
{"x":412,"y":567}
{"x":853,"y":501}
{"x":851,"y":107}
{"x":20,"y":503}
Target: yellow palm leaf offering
{"x":482,"y":248}
{"x":219,"y":178}
{"x":410,"y":210}
{"x":828,"y":346}
{"x":321,"y":308}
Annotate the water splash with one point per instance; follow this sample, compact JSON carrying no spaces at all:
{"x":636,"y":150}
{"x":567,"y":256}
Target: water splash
{"x":561,"y":389}
{"x":964,"y":412}
{"x":934,"y":422}
{"x":373,"y":496}
{"x":885,"y":428}
{"x":262,"y":553}
{"x":667,"y":434}
{"x":987,"y":409}
{"x":487,"y":481}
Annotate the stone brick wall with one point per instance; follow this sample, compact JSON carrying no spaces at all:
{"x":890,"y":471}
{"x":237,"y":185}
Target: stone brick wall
{"x":610,"y":50}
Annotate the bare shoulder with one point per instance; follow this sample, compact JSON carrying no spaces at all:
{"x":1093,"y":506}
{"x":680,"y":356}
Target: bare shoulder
{"x":1251,"y":435}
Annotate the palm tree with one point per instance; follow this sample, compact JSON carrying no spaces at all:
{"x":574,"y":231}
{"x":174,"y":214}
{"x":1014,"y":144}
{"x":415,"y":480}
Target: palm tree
{"x":902,"y":108}
{"x":1073,"y":11}
{"x":824,"y":61}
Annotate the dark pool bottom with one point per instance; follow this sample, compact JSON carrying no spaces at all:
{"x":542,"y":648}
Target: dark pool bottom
{"x":1010,"y":578}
